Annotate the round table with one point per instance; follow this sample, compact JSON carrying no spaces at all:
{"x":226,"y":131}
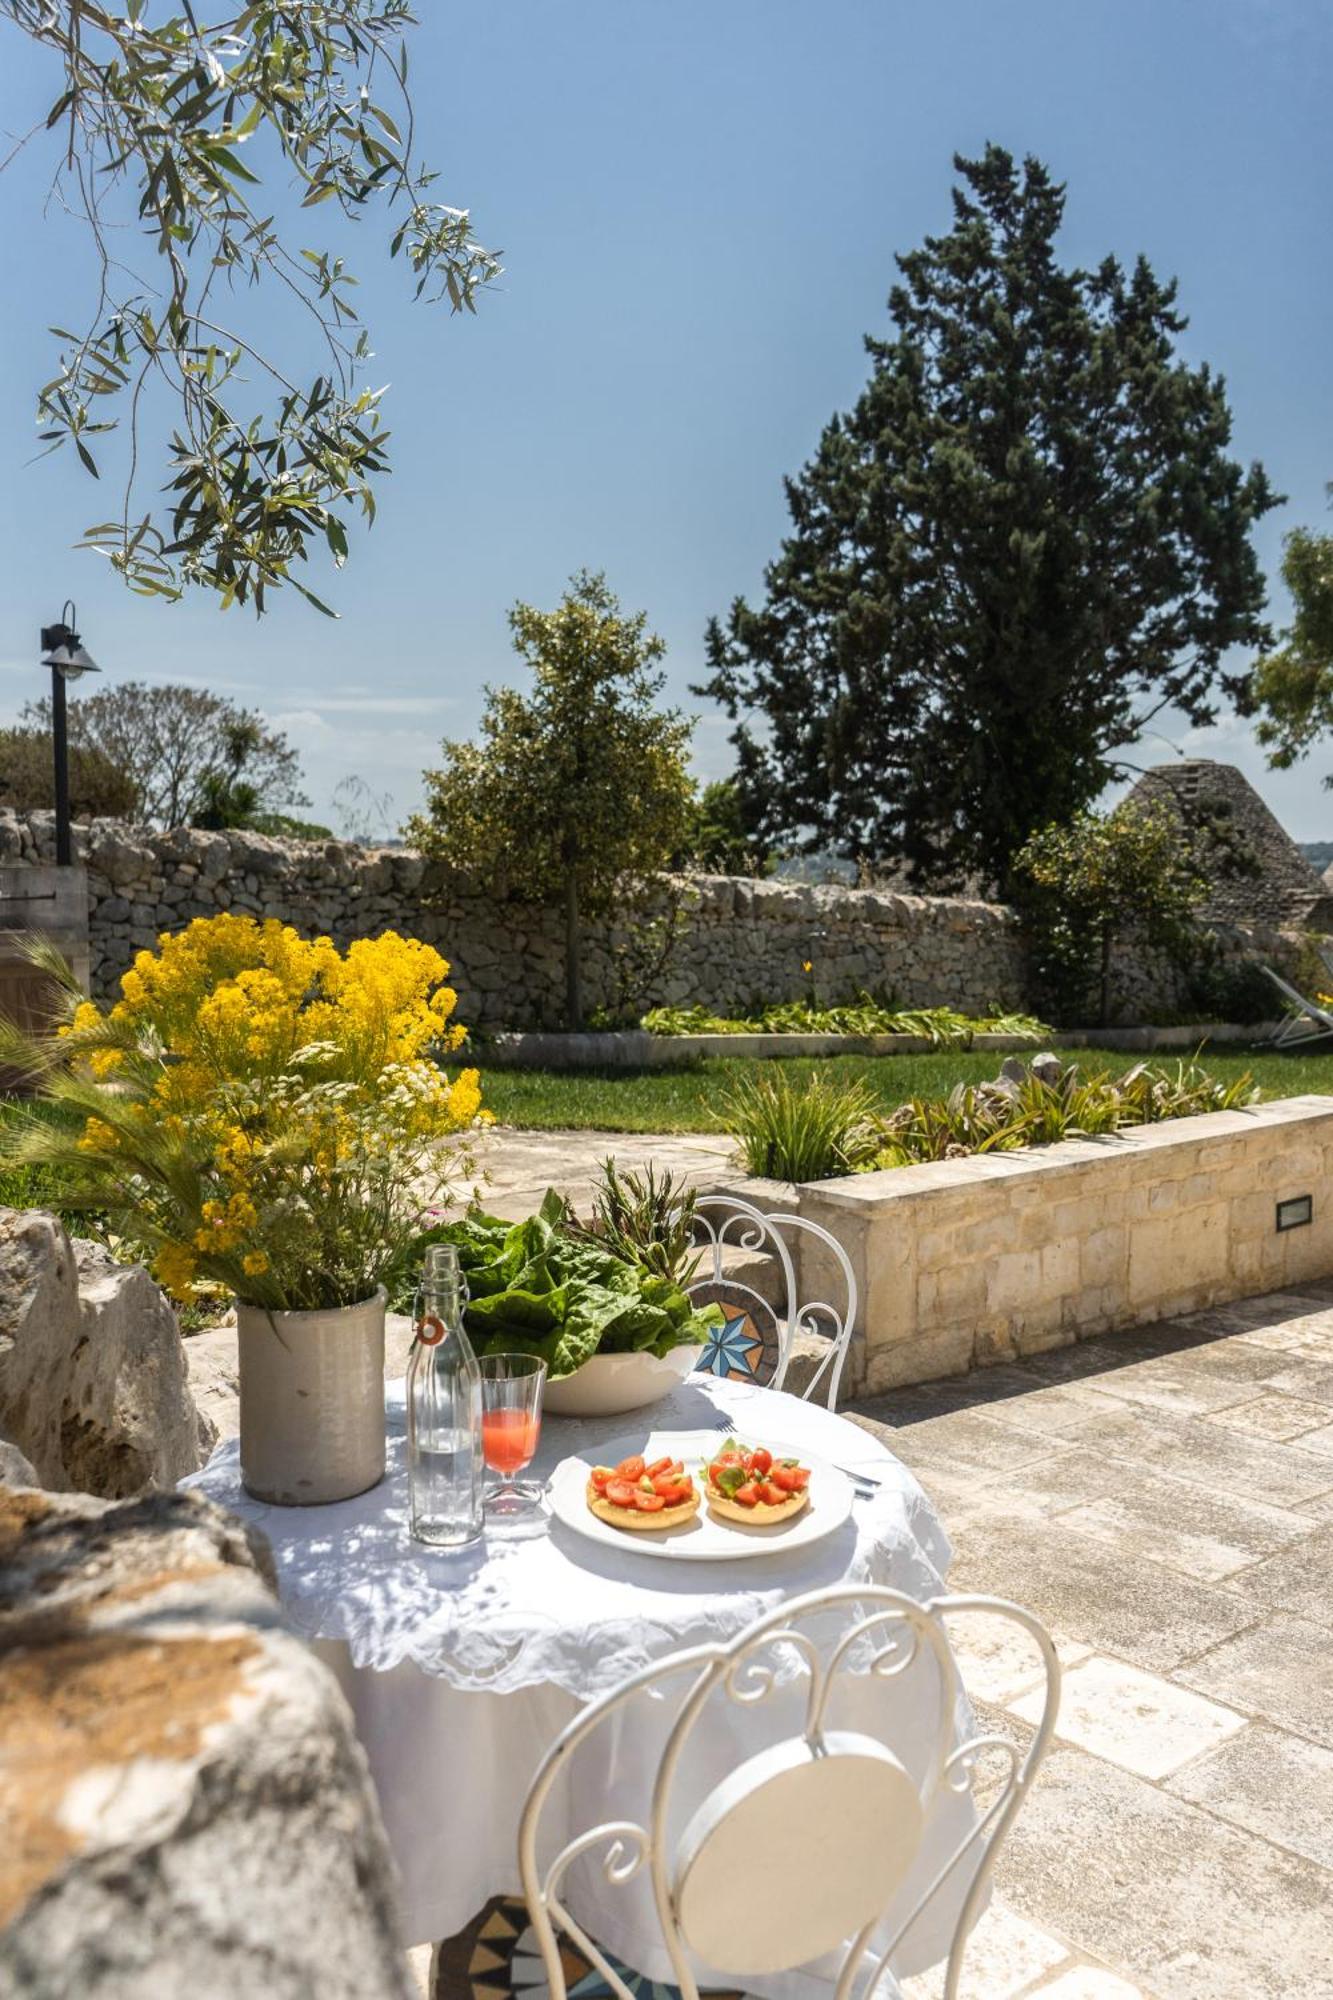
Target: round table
{"x":461,"y":1668}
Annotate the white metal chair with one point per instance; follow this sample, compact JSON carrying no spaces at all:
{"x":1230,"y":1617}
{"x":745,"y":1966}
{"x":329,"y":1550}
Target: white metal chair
{"x":755,"y":1343}
{"x":798,"y":1854}
{"x":1305,"y":1021}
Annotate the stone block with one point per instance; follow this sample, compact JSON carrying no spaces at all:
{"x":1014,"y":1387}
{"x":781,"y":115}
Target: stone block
{"x":187,"y":1809}
{"x":1013,"y":1281}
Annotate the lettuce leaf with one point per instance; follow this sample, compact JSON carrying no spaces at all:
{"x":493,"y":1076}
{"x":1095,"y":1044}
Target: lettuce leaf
{"x":534,"y":1290}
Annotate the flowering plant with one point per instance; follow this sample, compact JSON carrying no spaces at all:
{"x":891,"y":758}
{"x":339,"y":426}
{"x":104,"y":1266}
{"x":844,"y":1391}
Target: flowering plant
{"x":259,"y":1110}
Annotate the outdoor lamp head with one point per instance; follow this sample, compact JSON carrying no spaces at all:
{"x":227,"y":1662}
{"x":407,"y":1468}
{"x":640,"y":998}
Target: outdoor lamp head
{"x":62,"y":651}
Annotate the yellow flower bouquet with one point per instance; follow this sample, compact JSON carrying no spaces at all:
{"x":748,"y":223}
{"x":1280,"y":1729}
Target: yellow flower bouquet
{"x":259,"y":1110}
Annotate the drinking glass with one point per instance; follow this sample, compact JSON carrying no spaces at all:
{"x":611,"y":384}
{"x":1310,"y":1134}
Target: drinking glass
{"x":511,"y":1424}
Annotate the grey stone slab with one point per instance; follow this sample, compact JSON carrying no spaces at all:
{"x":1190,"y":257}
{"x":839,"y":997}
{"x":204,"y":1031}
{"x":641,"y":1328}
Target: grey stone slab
{"x":1011,"y":1394}
{"x":971,"y":1440}
{"x":1173,"y":1898}
{"x":1271,"y":1783}
{"x":1300,"y":1579}
{"x":1136,"y":1609}
{"x":1280,"y":1668}
{"x":1306,"y":1378}
{"x":1141,"y":1516}
{"x":1219,"y":1459}
{"x":1271,"y":1415}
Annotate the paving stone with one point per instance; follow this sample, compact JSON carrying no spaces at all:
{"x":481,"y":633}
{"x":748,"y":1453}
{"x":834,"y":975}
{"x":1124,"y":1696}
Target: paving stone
{"x":1311,"y":1335}
{"x":1087,"y":1982}
{"x":1139,"y":1721}
{"x":1174,"y":1899}
{"x":969,"y":1440}
{"x":1194,"y":1379}
{"x":1271,"y":1783}
{"x":1271,"y":1416}
{"x":1139,"y":1611}
{"x":1005,"y":1953}
{"x":1320,"y":1443}
{"x":998,"y":1660}
{"x":1299,"y":1580}
{"x":1215,"y":1456}
{"x":1308,"y":1379}
{"x":1055,"y":1410}
{"x":1281,"y":1669}
{"x":1201,"y":1534}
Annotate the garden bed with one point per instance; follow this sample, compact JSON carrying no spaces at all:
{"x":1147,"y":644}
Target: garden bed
{"x":966,"y":1262}
{"x":635,"y":1048}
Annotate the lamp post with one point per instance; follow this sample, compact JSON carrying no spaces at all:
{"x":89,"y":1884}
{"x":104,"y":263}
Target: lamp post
{"x":64,"y":655}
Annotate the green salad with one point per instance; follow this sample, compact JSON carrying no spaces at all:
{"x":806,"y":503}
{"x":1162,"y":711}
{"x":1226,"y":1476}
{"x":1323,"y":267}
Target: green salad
{"x":535,"y":1289}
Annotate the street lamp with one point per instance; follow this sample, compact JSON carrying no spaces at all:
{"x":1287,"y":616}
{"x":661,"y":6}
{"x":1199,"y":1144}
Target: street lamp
{"x":64,"y":655}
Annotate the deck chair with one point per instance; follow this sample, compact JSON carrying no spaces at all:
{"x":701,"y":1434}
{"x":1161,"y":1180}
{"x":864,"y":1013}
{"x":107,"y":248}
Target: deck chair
{"x":1306,"y":1021}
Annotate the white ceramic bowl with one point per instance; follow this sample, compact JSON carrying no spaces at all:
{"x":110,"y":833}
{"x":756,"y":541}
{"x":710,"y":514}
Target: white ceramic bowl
{"x":610,"y":1383}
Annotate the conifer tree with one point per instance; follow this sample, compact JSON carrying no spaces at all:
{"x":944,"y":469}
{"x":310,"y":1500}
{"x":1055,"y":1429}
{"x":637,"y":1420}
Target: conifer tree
{"x":1025,"y":540}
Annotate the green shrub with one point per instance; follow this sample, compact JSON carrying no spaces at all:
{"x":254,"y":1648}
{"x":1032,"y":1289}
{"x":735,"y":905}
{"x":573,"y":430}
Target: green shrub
{"x":802,"y":1132}
{"x":942,"y":1027}
{"x":1039,"y":1110}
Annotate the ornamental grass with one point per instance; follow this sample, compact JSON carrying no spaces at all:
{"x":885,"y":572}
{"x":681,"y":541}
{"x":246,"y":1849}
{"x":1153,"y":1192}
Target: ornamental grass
{"x":257,"y":1111}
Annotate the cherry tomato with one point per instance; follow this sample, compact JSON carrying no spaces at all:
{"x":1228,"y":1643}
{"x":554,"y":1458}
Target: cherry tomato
{"x":747,"y":1495}
{"x":620,"y":1492}
{"x":760,"y":1460}
{"x":658,"y":1465}
{"x":649,"y":1503}
{"x":666,"y":1483}
{"x":731,"y":1456}
{"x":630,"y":1468}
{"x":681,"y":1491}
{"x":791,"y":1478}
{"x":771,"y":1495}
{"x":600,"y":1475}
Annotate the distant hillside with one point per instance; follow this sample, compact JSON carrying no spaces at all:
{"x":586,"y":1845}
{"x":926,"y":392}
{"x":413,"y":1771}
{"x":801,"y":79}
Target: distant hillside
{"x":1317,"y":852}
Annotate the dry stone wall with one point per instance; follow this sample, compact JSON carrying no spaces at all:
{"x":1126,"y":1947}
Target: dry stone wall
{"x":740,"y":940}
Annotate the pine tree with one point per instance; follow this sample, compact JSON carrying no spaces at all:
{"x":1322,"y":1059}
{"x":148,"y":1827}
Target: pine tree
{"x":1025,"y":540}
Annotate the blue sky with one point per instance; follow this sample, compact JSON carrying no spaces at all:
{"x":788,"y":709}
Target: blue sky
{"x":698,"y":205}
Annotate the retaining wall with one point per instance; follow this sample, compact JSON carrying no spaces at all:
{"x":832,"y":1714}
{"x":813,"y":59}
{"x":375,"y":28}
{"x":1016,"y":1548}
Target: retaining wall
{"x":961,"y":1263}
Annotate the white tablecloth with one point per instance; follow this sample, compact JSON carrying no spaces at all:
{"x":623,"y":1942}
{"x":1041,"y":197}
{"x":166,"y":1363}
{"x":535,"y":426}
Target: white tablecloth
{"x":461,"y":1668}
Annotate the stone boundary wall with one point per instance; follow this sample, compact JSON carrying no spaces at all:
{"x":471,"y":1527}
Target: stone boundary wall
{"x":964,"y":1263}
{"x":742,"y":942}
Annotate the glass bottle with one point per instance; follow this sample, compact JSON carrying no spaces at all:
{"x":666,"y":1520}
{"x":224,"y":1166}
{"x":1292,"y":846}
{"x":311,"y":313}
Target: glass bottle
{"x":444,"y":1457}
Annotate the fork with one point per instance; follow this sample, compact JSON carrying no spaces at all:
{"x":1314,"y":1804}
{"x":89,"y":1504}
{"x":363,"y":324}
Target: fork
{"x":864,"y":1480}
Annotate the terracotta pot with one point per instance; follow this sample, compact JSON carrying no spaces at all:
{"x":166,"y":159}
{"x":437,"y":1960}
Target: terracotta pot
{"x":312,"y":1402}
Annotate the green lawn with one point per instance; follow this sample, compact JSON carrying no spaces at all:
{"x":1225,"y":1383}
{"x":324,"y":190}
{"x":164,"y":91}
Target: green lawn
{"x":688,"y":1099}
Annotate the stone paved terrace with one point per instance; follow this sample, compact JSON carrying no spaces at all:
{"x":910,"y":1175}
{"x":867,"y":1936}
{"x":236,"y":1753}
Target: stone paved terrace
{"x":1163,"y":1499}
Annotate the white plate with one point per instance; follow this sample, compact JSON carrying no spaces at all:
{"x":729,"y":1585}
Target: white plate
{"x":703,"y":1539}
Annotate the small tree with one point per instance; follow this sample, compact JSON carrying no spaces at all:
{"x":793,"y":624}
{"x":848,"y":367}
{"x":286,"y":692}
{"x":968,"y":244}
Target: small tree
{"x":1292,"y":687}
{"x":27,"y":777}
{"x":185,"y":752}
{"x":1084,"y":886}
{"x":575,"y":787}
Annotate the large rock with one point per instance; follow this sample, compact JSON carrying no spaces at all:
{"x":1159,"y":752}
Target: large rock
{"x":93,"y":1382}
{"x":15,"y":1468}
{"x":186,"y":1808}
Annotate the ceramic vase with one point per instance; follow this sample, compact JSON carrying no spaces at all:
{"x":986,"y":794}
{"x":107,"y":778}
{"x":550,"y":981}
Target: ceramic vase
{"x":312,"y":1402}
